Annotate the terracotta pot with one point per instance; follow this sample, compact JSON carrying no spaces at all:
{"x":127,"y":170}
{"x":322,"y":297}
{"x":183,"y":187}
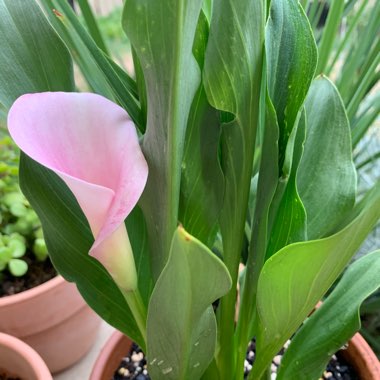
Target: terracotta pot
{"x":20,"y":360}
{"x":53,"y":319}
{"x":359,"y":354}
{"x":110,"y":357}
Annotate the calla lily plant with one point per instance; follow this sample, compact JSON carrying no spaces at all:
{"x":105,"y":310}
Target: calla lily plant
{"x":225,"y":150}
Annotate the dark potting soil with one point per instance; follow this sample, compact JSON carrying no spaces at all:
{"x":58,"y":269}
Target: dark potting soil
{"x":38,"y":273}
{"x":337,"y":368}
{"x":4,"y":376}
{"x":134,"y":366}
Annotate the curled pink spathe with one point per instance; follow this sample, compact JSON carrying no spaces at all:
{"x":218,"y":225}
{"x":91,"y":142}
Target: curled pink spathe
{"x":92,"y":144}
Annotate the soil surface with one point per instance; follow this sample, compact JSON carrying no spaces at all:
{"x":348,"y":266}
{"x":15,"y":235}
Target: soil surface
{"x":38,"y":273}
{"x":134,"y":366}
{"x":4,"y":376}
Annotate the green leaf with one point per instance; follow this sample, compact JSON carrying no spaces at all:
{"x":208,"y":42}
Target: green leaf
{"x":5,"y":256}
{"x":232,"y":80}
{"x":330,"y":30}
{"x":33,"y":58}
{"x":266,"y":187}
{"x":92,"y":25}
{"x":181,"y":323}
{"x":284,"y":301}
{"x":18,"y":209}
{"x":202,"y":181}
{"x":290,"y":222}
{"x":162,"y":34}
{"x":104,"y":76}
{"x":40,"y":249}
{"x":326,"y":177}
{"x":139,"y":241}
{"x":17,"y":247}
{"x":69,"y":239}
{"x":291,"y":59}
{"x":17,"y":267}
{"x":333,"y":324}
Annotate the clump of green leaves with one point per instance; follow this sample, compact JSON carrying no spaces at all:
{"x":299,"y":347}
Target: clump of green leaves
{"x":20,"y":230}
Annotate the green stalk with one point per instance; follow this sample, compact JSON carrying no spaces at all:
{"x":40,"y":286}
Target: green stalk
{"x":313,"y":10}
{"x":347,"y":36}
{"x":364,"y":81}
{"x":355,"y":60}
{"x":332,"y":23}
{"x":318,"y":15}
{"x":363,"y":125}
{"x":369,"y":160}
{"x":138,"y":310}
{"x":92,"y":25}
{"x":266,"y":190}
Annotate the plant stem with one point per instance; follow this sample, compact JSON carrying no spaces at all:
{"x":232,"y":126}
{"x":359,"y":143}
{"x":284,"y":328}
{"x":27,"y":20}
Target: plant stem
{"x":226,"y":359}
{"x":328,"y":37}
{"x":92,"y":25}
{"x":138,"y":310}
{"x":347,"y":36}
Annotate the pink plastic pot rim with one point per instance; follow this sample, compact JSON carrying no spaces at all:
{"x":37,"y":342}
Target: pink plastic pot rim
{"x":31,"y":293}
{"x":31,"y":356}
{"x":107,"y":351}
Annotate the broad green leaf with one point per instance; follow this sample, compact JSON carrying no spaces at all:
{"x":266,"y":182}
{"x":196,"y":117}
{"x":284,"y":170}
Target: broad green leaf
{"x":232,"y":80}
{"x":162,"y":34}
{"x":333,"y":324}
{"x":69,"y":239}
{"x":326,"y":177}
{"x":181,"y":324}
{"x":291,"y":58}
{"x":294,"y":279}
{"x":33,"y":58}
{"x":103,"y":75}
{"x":202,"y":181}
{"x":290,"y":222}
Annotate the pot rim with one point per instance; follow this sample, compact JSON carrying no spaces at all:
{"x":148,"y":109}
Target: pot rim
{"x":357,"y":345}
{"x":31,"y":356}
{"x":361,"y":356}
{"x":115,"y":348}
{"x":31,"y":293}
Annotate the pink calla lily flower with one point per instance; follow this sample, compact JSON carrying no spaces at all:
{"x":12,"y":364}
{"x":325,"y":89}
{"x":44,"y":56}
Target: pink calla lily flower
{"x":92,"y":144}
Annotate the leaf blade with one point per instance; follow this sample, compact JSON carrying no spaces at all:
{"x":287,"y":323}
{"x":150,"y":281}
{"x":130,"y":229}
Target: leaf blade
{"x":181,"y":324}
{"x":330,"y":326}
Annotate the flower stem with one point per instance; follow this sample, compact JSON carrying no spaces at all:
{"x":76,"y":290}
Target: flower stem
{"x":138,"y":310}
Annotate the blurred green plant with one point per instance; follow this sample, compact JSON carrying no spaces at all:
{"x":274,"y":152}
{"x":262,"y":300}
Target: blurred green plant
{"x":20,"y":229}
{"x":349,"y":54}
